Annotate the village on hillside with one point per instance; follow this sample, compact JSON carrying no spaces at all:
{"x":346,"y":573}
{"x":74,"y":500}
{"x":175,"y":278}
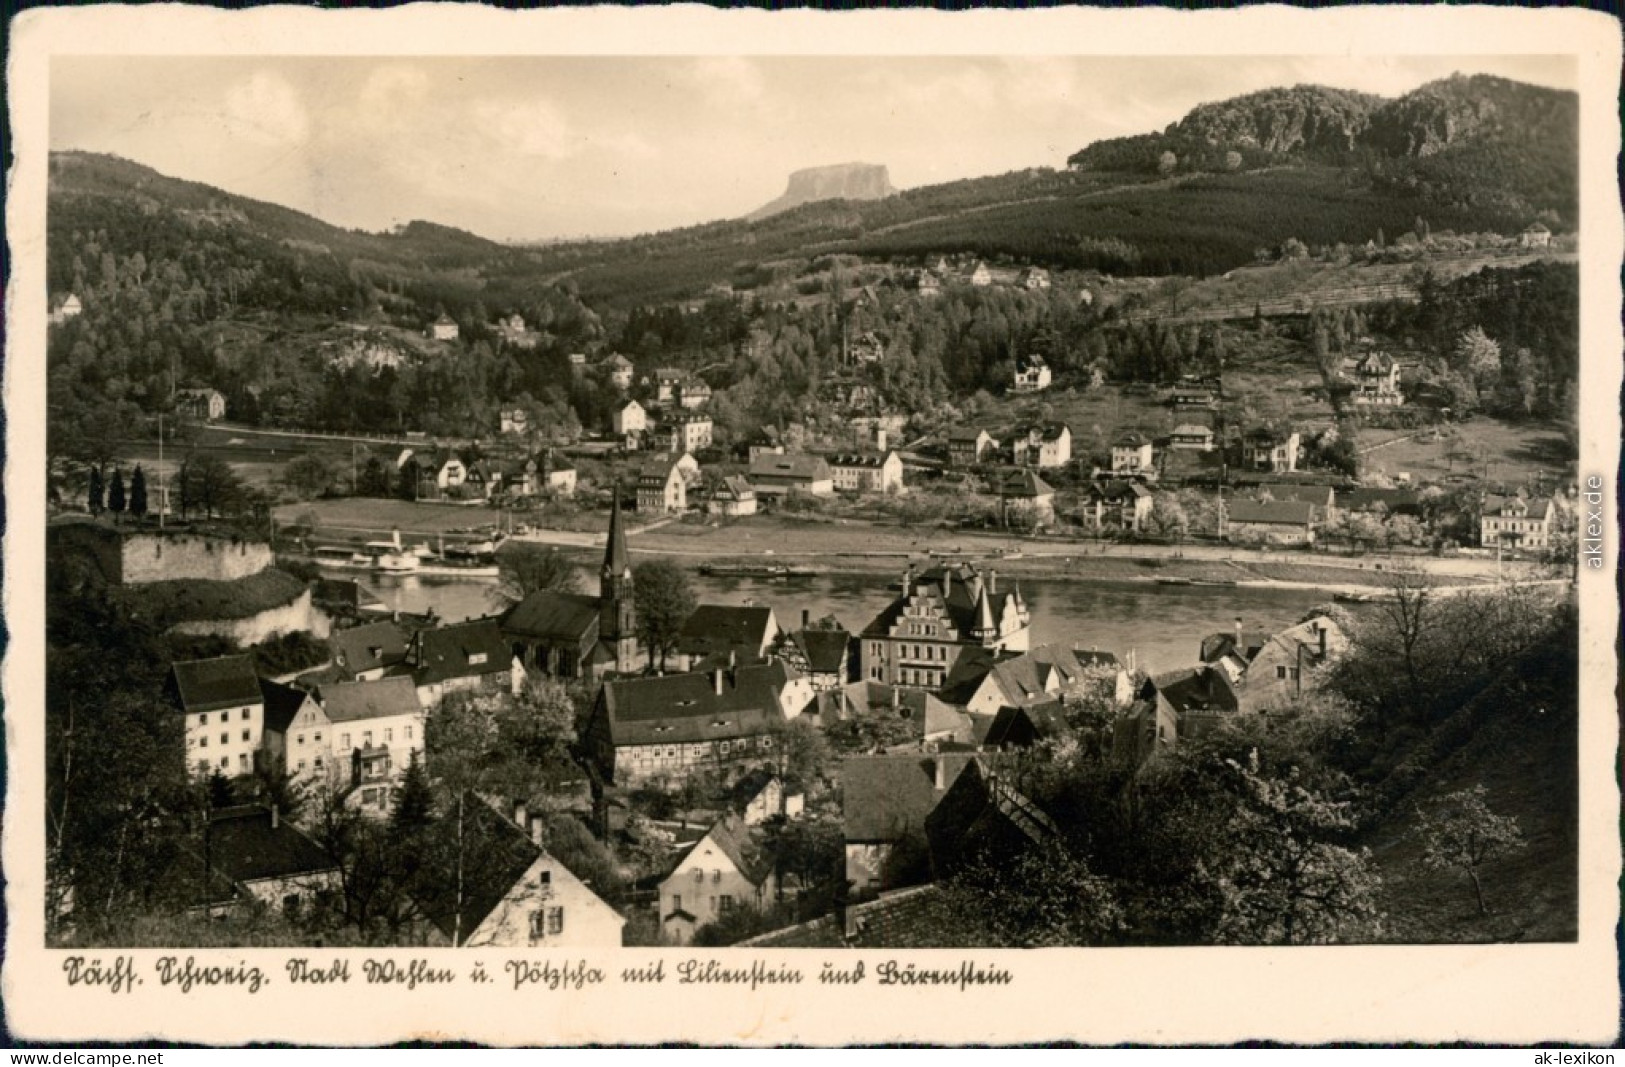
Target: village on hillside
{"x":952,"y":592}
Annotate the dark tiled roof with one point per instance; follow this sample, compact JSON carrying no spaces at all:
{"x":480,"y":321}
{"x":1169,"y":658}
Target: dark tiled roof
{"x":721,"y":627}
{"x":1117,"y":490}
{"x":825,"y":649}
{"x":1279,"y":512}
{"x":791,"y":465}
{"x":967,"y":434}
{"x":369,"y":647}
{"x":1280,"y":493}
{"x":1196,"y":689}
{"x":886,"y":797}
{"x":451,"y":651}
{"x":909,"y":918}
{"x":735,"y":840}
{"x":1038,"y":720}
{"x":960,"y":604}
{"x":1368,"y":499}
{"x":486,"y":855}
{"x":822,"y":932}
{"x":1024,"y":484}
{"x":548,"y":613}
{"x":355,"y":701}
{"x":869,"y":460}
{"x":682,"y":708}
{"x":282,"y":704}
{"x":245,"y":847}
{"x":221,"y":682}
{"x":1217,"y":646}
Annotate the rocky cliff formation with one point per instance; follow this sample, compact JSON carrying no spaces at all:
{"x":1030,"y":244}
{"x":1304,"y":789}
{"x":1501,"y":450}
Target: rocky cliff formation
{"x":841,"y":181}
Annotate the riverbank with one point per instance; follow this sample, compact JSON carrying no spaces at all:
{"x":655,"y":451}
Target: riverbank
{"x":831,"y":547}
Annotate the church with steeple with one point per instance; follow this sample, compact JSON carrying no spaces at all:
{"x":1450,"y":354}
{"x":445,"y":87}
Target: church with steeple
{"x":571,"y":635}
{"x":942,"y":613}
{"x":617,"y":616}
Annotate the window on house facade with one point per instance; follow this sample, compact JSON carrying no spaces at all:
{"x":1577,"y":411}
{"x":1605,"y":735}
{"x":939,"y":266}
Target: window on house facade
{"x":725,"y":904}
{"x":366,"y":739}
{"x":242,"y":762}
{"x":245,"y":713}
{"x":225,"y":738}
{"x":389,"y":735}
{"x":1280,"y":672}
{"x":408,"y":731}
{"x":555,"y":920}
{"x":536,"y":924}
{"x":203,"y":742}
{"x":203,"y":720}
{"x":247,"y":734}
{"x":225,"y":762}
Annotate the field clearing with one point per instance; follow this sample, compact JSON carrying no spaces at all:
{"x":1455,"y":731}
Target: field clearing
{"x":1497,"y":451}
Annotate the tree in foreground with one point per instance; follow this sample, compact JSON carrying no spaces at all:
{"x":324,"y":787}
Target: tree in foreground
{"x":527,"y":569}
{"x":94,"y":491}
{"x":664,"y":601}
{"x":138,"y":493}
{"x":1045,"y":898}
{"x":1284,"y":879}
{"x":1463,"y":834}
{"x":115,"y":494}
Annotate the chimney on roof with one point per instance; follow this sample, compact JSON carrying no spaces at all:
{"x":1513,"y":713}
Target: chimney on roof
{"x":521,"y":817}
{"x":941,"y":773}
{"x":880,"y":439}
{"x":538,"y":831}
{"x":992,"y":580}
{"x":1238,"y":634}
{"x":806,"y":616}
{"x":947,"y":582}
{"x":395,"y":536}
{"x":276,"y":817}
{"x":896,"y":698}
{"x":716,"y":681}
{"x":1320,"y":627}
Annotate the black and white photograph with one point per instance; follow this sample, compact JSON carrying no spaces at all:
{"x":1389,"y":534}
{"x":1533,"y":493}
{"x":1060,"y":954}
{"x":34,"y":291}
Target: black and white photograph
{"x":795,"y":505}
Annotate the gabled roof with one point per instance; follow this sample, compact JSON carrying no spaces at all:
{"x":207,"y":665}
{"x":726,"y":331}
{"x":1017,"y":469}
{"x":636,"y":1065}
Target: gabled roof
{"x":451,"y":651}
{"x":550,"y":614}
{"x":221,"y":682}
{"x":736,"y":487}
{"x":1219,"y":645}
{"x":1036,"y":676}
{"x":245,"y":846}
{"x":1130,"y":439}
{"x":798,"y":465}
{"x":870,"y":460}
{"x":1191,"y":429}
{"x":1196,"y":689}
{"x":1368,"y":499}
{"x":1278,"y":512}
{"x":884,"y":798}
{"x":963,"y":584}
{"x":1044,"y":431}
{"x":369,"y":647}
{"x":1520,"y":505}
{"x":1265,"y":435}
{"x":682,"y":708}
{"x":967,"y":434}
{"x":1117,"y":490}
{"x":481,"y":854}
{"x":358,"y":701}
{"x":618,"y":361}
{"x":720,"y":627}
{"x":826,"y":650}
{"x":1025,"y":484}
{"x":1042,"y":720}
{"x":733,"y":837}
{"x":282,"y":704}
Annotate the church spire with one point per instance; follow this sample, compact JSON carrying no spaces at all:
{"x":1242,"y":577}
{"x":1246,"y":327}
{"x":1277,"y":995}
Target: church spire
{"x":617,"y":562}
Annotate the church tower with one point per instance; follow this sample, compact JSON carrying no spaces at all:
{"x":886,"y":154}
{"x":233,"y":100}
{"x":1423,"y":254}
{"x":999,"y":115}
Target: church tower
{"x":617,"y":622}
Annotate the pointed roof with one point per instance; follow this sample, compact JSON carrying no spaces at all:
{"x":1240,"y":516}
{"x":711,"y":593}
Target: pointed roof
{"x":616,"y":558}
{"x":984,"y":614}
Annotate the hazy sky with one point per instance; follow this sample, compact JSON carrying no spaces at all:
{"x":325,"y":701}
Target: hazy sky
{"x":522,"y":147}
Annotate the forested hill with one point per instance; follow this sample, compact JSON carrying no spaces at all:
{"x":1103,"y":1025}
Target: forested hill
{"x":1462,"y":141}
{"x":1320,"y":166}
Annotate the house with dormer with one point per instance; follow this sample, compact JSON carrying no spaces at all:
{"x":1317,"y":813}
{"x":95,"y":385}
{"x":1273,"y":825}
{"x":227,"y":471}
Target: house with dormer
{"x":489,"y":882}
{"x":1046,"y":445}
{"x":1031,"y":375}
{"x":726,"y":869}
{"x":725,"y":720}
{"x":223,"y":708}
{"x":462,"y":657}
{"x":939,"y":615}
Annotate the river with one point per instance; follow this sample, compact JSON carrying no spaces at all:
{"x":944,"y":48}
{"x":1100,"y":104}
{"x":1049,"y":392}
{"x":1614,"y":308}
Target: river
{"x":1161,"y":624}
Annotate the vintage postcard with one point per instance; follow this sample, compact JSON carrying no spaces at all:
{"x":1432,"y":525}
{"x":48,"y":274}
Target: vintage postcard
{"x":622,"y":526}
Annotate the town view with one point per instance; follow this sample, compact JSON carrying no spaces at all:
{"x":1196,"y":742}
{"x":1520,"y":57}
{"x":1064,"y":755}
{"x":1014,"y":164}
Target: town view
{"x":1169,"y":543}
